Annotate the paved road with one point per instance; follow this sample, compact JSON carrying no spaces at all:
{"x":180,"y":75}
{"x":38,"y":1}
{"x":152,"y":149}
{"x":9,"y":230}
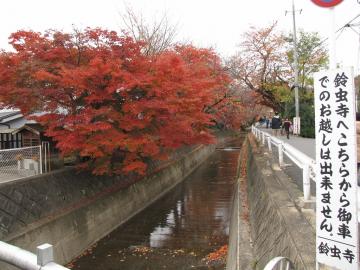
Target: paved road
{"x":305,"y":145}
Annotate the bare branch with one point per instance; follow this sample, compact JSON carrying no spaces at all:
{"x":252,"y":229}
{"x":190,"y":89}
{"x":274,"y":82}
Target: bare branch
{"x":158,"y":35}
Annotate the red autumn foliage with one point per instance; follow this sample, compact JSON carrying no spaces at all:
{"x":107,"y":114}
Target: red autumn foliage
{"x":102,"y":98}
{"x":218,"y":255}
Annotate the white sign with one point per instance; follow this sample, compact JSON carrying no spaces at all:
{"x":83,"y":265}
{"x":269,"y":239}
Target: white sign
{"x":296,"y":124}
{"x":336,"y":169}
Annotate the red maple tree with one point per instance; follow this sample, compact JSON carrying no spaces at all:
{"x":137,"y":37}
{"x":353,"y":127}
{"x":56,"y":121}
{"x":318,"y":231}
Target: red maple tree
{"x":100,"y":97}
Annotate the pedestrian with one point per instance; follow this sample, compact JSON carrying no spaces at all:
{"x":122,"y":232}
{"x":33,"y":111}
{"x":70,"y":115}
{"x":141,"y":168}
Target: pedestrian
{"x":276,"y":124}
{"x":287,"y":125}
{"x":267,"y":122}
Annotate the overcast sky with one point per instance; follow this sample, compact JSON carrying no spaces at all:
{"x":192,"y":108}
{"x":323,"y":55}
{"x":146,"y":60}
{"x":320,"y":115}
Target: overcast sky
{"x":205,"y":22}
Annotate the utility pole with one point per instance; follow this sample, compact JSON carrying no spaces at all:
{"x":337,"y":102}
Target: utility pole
{"x":296,"y":66}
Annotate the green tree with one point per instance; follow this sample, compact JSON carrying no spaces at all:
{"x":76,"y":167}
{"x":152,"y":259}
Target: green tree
{"x":312,"y":57}
{"x":264,"y":66}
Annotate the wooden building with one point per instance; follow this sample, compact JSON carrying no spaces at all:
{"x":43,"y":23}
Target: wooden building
{"x":16,"y":131}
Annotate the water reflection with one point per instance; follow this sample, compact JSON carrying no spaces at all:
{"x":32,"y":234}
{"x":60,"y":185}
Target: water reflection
{"x":177,"y":231}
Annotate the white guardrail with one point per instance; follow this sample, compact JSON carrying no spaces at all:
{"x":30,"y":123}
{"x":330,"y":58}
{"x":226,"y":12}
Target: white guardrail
{"x":279,"y":263}
{"x":25,"y":260}
{"x":303,"y":161}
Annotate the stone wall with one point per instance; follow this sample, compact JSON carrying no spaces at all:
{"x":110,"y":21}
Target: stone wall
{"x":73,"y":210}
{"x":278,"y":226}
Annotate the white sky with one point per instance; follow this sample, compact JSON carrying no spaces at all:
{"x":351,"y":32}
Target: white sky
{"x":205,"y":22}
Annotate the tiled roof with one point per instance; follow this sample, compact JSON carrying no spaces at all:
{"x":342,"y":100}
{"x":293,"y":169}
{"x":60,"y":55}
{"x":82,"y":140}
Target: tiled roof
{"x":4,"y":115}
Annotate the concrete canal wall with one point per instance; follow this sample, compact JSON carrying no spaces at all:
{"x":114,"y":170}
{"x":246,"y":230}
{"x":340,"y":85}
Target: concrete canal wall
{"x":240,"y":251}
{"x":278,"y":224}
{"x":73,"y":210}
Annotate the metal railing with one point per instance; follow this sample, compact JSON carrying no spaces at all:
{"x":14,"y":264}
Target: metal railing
{"x":25,"y":260}
{"x":303,"y":161}
{"x":280,"y":263}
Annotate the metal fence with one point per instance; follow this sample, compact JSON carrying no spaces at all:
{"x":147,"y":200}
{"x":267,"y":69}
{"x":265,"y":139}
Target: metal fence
{"x":304,"y":162}
{"x":20,"y":162}
{"x":300,"y":159}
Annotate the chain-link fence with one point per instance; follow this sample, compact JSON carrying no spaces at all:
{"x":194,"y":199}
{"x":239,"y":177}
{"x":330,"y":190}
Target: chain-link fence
{"x":20,"y":162}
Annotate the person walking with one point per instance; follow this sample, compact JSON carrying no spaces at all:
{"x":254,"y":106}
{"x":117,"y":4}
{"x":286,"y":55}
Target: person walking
{"x":286,"y":125}
{"x":276,"y":124}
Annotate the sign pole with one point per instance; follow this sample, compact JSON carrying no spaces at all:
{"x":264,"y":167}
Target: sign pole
{"x":335,"y":250}
{"x":332,"y":51}
{"x":336,"y":170}
{"x":332,"y":39}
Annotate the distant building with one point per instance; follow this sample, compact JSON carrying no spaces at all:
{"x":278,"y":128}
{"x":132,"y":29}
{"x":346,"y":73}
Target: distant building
{"x":17,"y":131}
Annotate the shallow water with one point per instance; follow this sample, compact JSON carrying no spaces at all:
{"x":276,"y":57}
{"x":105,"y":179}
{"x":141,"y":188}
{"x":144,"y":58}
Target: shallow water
{"x":179,"y":230}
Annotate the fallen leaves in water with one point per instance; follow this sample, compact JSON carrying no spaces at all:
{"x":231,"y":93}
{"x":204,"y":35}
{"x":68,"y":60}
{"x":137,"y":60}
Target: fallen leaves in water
{"x":243,"y":184}
{"x":145,"y":251}
{"x":87,"y":252}
{"x":142,"y":250}
{"x":218,"y":256}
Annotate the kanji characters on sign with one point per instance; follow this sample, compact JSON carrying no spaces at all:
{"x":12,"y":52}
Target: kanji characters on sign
{"x":337,"y":230}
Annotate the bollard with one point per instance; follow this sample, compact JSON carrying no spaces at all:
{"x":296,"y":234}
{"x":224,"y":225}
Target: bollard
{"x":269,"y":143}
{"x":263,"y":138}
{"x":306,"y":182}
{"x":281,"y":155}
{"x":44,"y":254}
{"x":23,"y":259}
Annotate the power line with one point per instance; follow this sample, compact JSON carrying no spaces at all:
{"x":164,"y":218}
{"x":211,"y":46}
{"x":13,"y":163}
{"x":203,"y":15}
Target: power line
{"x":342,"y":28}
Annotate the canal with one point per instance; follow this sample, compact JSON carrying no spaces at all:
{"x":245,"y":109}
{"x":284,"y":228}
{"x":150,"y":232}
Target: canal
{"x":178,"y":231}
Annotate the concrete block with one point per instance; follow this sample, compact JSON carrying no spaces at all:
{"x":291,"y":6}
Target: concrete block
{"x":308,"y":204}
{"x":44,"y":254}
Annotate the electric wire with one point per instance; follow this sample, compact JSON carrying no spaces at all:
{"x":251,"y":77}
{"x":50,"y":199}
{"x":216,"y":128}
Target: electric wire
{"x":342,"y":29}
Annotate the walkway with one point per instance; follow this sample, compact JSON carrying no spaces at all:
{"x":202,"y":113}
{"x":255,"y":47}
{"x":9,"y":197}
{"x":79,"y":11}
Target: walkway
{"x":305,"y":145}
